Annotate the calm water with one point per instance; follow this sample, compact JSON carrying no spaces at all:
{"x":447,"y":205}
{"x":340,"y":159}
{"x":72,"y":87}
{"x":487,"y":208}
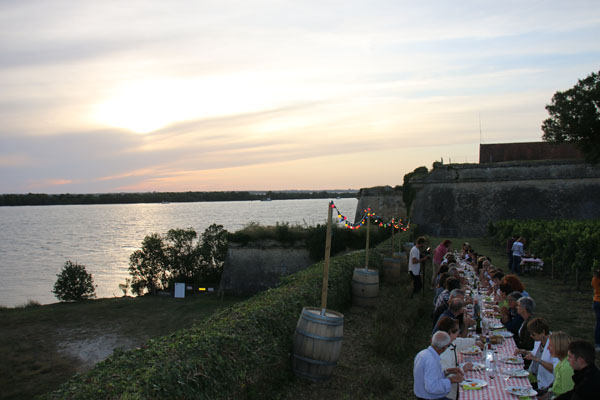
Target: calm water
{"x":35,"y":242}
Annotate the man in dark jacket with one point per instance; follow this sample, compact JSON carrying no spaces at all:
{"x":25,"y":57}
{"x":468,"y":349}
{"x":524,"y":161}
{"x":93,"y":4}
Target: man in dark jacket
{"x":586,"y":375}
{"x":526,"y":309}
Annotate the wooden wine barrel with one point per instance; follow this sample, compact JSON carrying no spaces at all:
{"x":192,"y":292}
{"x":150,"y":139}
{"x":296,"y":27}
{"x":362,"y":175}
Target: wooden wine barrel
{"x":365,"y":287}
{"x":317,"y":343}
{"x":393,"y":268}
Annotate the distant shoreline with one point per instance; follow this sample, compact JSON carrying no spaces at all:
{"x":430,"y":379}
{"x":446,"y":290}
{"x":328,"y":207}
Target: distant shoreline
{"x":42,"y":199}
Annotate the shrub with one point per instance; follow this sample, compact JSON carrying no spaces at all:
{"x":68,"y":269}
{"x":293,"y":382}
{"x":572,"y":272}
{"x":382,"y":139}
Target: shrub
{"x":178,"y":257}
{"x":235,"y":353}
{"x":74,"y":283}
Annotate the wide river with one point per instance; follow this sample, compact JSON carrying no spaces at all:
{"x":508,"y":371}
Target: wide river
{"x":36,"y":241}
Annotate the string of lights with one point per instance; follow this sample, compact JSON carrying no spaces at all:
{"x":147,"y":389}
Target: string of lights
{"x":377,"y":219}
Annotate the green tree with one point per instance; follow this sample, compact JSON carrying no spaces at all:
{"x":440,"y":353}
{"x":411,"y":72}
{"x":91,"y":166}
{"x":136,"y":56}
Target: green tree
{"x":213,"y":251}
{"x":74,"y":283}
{"x":408,"y":192}
{"x":575,"y":117}
{"x":148,"y":266}
{"x":178,"y":257}
{"x":183,"y":254}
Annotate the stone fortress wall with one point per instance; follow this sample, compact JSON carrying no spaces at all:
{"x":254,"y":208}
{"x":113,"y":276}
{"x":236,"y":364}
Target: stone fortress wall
{"x":383,"y":200}
{"x":258,"y":266}
{"x":462,"y":199}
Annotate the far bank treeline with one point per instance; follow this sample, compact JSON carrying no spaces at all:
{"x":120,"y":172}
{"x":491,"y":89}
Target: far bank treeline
{"x":42,"y":199}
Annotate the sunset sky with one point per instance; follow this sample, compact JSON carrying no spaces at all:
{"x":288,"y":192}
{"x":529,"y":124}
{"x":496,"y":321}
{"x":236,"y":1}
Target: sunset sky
{"x":113,"y":96}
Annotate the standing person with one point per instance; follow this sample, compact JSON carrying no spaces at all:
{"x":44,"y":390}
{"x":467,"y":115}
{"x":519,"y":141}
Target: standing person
{"x":438,"y":257}
{"x":586,"y":375}
{"x":414,"y":264}
{"x":596,"y":286}
{"x":430,"y":380}
{"x":518,"y":253}
{"x":509,"y":255}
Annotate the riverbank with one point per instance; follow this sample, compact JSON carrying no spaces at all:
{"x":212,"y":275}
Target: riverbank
{"x":376,"y":358}
{"x":42,"y":347}
{"x":43,"y":199}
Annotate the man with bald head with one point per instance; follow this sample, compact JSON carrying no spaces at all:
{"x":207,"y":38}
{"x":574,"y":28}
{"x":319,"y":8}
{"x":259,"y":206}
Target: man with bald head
{"x":430,"y":381}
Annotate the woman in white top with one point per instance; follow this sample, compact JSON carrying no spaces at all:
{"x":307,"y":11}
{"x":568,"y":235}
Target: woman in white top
{"x":449,"y":358}
{"x":542,"y":362}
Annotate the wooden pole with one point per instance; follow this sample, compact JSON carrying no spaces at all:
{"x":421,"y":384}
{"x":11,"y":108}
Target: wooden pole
{"x":326,"y":266}
{"x":392,"y":238}
{"x":367,"y":246}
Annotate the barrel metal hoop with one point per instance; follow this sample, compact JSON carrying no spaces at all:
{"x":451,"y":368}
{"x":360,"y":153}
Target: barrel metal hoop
{"x":364,"y":297}
{"x":363,"y":272}
{"x":314,"y":378}
{"x":316,"y":362}
{"x":365,"y":283}
{"x":324,"y":320}
{"x":324,"y":338}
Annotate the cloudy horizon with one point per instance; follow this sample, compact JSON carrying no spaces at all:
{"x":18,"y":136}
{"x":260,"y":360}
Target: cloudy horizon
{"x":273,"y":95}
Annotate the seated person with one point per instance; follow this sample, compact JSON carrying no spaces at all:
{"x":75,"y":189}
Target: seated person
{"x":440,"y":286}
{"x":430,"y":381}
{"x":586,"y":376}
{"x":516,"y":284}
{"x":449,"y":357}
{"x":542,"y":364}
{"x":456,"y":311}
{"x":526,"y":309}
{"x":503,"y":291}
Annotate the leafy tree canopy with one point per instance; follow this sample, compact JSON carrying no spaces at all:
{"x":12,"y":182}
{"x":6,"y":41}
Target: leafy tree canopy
{"x":178,"y":256}
{"x":74,"y":283}
{"x":575,"y":117}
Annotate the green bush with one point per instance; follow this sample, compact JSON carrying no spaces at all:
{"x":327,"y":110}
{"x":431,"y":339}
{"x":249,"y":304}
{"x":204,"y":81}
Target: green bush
{"x":74,"y":283}
{"x":237,"y":353}
{"x":178,"y":257}
{"x":313,"y":237}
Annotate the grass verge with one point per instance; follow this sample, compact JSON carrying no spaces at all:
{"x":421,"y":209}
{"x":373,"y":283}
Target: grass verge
{"x":35,"y":340}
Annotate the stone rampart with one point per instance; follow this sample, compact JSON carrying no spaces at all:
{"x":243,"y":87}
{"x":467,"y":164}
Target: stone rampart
{"x":384,"y":200}
{"x":259,"y":266}
{"x":462,"y":199}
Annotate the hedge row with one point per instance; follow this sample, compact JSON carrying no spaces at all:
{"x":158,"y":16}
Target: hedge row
{"x":231,"y":355}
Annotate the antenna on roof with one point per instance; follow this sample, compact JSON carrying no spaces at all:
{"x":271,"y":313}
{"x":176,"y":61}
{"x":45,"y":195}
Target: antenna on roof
{"x":480,"y":132}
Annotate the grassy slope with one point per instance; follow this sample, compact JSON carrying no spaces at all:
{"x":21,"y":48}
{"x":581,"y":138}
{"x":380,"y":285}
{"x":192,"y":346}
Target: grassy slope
{"x":379,"y":346}
{"x":365,"y":370}
{"x":31,"y":363}
{"x":365,"y":373}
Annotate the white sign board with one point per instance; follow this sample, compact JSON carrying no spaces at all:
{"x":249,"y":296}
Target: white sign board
{"x":179,"y":290}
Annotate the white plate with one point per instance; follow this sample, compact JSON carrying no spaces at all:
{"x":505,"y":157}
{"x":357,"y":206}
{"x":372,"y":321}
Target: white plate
{"x":521,"y":391}
{"x":497,"y":326}
{"x":474,"y":383}
{"x":471,"y":351}
{"x":476,"y":365}
{"x":518,"y":373}
{"x":505,"y":334}
{"x":512,"y":360}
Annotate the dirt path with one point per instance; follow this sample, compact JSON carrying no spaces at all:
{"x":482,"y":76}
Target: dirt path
{"x":361,"y":373}
{"x":90,"y":347}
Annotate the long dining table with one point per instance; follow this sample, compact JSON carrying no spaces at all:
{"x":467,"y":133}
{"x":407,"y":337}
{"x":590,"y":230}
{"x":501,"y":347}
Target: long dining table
{"x":499,"y":374}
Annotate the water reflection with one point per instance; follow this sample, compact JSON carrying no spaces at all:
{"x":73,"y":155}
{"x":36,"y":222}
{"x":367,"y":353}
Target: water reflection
{"x":36,"y":241}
